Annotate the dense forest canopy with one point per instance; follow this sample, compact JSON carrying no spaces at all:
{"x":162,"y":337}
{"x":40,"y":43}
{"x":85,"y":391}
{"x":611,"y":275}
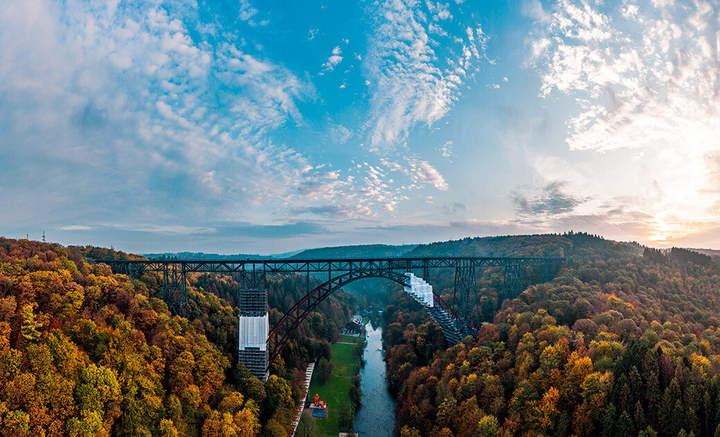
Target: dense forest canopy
{"x":84,"y":352}
{"x":623,"y":342}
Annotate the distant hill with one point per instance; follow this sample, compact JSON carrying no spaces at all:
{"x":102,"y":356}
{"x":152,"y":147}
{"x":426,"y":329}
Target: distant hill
{"x":200,"y":256}
{"x":567,"y":244}
{"x":709,"y":252}
{"x":359,"y":251}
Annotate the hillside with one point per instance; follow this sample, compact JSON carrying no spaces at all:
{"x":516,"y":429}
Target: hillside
{"x":84,"y":352}
{"x":618,"y":344}
{"x":355,"y":252}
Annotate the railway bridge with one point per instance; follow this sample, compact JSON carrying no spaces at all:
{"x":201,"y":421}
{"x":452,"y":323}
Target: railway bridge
{"x":259,"y":345}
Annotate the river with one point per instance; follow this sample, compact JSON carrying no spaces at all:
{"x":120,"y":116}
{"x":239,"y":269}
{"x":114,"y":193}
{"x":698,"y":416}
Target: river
{"x":376,"y":415}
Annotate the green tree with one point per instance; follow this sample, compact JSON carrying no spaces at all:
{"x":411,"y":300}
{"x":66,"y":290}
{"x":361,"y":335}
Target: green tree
{"x":306,"y":426}
{"x":323,"y":370}
{"x":16,"y":423}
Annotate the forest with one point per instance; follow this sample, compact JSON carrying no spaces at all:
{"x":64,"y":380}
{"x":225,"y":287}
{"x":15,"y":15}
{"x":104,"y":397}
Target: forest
{"x":624,"y":341}
{"x":85,"y":352}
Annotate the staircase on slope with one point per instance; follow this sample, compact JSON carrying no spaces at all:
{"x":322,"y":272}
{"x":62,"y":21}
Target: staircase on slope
{"x":421,"y":291}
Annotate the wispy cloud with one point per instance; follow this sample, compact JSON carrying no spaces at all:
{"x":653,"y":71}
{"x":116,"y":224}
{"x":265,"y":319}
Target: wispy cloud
{"x":422,"y":171}
{"x":75,"y":228}
{"x":116,"y":99}
{"x":410,"y":83}
{"x":645,"y":81}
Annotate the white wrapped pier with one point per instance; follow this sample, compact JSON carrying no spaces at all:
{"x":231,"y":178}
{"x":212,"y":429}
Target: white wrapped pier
{"x":420,"y":290}
{"x":253,"y":330}
{"x":252,"y":347}
{"x":253,"y":333}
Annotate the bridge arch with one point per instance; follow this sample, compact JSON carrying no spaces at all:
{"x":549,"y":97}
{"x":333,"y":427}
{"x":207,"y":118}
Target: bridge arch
{"x":291,"y":320}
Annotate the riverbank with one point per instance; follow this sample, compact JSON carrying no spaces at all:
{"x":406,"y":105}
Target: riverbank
{"x":335,"y":391}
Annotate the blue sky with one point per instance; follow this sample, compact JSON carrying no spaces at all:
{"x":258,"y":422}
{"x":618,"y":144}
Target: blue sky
{"x":263,"y":127}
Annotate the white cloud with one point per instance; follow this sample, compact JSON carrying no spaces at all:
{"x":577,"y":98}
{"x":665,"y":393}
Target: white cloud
{"x":334,"y":59}
{"x":248,"y":13}
{"x":645,"y":81}
{"x":119,"y":103}
{"x":339,"y":134}
{"x":410,"y":83}
{"x":422,"y":171}
{"x":75,"y":228}
{"x":447,"y":150}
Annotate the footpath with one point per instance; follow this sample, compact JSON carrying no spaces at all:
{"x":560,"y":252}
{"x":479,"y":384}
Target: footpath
{"x":299,"y":409}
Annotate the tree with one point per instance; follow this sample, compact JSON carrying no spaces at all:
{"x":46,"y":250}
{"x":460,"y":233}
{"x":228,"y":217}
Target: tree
{"x":306,"y":426}
{"x":408,"y":431}
{"x":16,"y":423}
{"x":487,"y":427}
{"x":30,"y":328}
{"x":355,"y":393}
{"x":88,"y":425}
{"x":278,"y":393}
{"x":346,"y":418}
{"x":167,"y":428}
{"x":626,"y":427}
{"x":219,"y":425}
{"x":323,"y":370}
{"x":549,"y":409}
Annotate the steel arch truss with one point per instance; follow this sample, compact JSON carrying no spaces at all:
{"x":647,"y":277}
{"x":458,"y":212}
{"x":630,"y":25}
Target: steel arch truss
{"x":289,"y":323}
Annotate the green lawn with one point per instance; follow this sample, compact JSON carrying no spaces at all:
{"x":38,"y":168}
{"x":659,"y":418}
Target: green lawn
{"x":335,"y":391}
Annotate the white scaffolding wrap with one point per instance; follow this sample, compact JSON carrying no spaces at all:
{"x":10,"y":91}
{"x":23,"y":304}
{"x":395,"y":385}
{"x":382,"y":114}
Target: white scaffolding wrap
{"x":420,"y":290}
{"x":253,"y":332}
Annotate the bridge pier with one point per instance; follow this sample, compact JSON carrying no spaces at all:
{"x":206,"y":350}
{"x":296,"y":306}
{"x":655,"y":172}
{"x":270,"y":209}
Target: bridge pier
{"x":253,"y":330}
{"x":465,"y":296}
{"x":513,"y":281}
{"x":174,"y":291}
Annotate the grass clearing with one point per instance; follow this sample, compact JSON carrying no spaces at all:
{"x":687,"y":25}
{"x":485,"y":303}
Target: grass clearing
{"x":335,"y":391}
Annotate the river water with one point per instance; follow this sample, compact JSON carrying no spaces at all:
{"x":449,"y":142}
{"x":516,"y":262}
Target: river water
{"x":376,"y":415}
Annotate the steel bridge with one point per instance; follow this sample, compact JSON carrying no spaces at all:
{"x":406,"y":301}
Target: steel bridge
{"x":259,"y":345}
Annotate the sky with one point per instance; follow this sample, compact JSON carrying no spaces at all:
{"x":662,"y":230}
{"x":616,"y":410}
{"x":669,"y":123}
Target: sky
{"x":269,"y":126}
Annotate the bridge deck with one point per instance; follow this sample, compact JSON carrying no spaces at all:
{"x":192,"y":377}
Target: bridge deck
{"x":325,"y":265}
